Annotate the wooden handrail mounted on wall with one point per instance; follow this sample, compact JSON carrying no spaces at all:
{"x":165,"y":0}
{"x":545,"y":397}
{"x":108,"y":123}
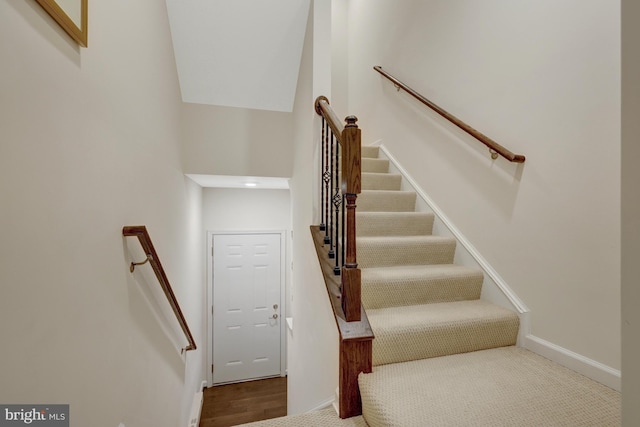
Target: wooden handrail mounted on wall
{"x":140,"y":231}
{"x":494,"y":147}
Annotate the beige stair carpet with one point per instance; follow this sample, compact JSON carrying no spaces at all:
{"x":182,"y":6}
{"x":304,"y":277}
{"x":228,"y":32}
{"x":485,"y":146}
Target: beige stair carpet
{"x":375,"y":165}
{"x":507,"y":387}
{"x":370,"y":151}
{"x":323,"y":418}
{"x":440,"y":329}
{"x":394,"y":223}
{"x":386,"y":201}
{"x":381,"y":181}
{"x":419,"y":304}
{"x":388,"y":251}
{"x":419,"y":284}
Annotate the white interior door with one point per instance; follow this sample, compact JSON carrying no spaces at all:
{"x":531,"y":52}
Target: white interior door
{"x":246,"y":306}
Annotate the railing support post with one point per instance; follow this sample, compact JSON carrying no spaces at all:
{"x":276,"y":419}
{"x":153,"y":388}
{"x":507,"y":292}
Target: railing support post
{"x":351,"y":187}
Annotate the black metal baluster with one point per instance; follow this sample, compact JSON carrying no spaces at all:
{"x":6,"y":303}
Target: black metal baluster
{"x":344,"y":227}
{"x":323,"y":225}
{"x":337,"y":201}
{"x":326,"y":177}
{"x":328,"y":239}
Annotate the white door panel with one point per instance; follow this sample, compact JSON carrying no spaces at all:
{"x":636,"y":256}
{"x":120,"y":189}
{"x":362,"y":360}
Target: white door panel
{"x":246,"y":296}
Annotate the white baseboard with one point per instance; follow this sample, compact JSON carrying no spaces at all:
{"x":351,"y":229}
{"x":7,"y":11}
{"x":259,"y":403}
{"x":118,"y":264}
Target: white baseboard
{"x":196,"y":407}
{"x":323,"y":405}
{"x":336,"y":400}
{"x":589,"y":368}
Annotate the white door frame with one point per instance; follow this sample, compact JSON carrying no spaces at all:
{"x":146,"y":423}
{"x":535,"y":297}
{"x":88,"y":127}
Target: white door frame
{"x":283,"y":350}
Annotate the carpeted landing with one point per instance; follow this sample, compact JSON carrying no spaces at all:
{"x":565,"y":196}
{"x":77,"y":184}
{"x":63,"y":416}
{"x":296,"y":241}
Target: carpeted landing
{"x":502,"y":387}
{"x":506,"y":386}
{"x":323,"y":418}
{"x":441,"y":355}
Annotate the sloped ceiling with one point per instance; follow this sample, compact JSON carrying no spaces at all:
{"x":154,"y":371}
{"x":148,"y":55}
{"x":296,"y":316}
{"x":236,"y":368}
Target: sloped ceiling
{"x":239,"y":53}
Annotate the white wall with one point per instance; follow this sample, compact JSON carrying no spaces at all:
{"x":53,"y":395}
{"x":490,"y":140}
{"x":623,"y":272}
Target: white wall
{"x":339,"y":55}
{"x":90,"y":143}
{"x":313,"y":346}
{"x":236,"y":141}
{"x":630,"y":213}
{"x":233,"y":209}
{"x":229,"y":209}
{"x":543,"y":79}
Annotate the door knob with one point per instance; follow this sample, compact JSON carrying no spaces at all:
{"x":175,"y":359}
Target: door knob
{"x":275,"y":306}
{"x":275,"y":316}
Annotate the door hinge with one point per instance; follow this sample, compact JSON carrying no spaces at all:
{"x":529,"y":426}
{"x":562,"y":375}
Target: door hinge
{"x":212,"y":368}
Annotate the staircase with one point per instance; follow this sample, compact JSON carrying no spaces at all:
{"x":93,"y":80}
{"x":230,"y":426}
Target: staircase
{"x":419,"y":303}
{"x":441,"y":355}
{"x":422,"y":306}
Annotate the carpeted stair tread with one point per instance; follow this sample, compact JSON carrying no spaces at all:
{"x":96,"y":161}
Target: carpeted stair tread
{"x":386,"y":201}
{"x":369,"y":151}
{"x":433,"y":330}
{"x":419,"y":284}
{"x":386,"y":251}
{"x":394,"y":223}
{"x":506,"y":386}
{"x":375,"y":165}
{"x":381,"y":181}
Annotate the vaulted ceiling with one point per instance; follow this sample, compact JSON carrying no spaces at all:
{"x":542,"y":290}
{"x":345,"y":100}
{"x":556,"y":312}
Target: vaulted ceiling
{"x":238,"y":53}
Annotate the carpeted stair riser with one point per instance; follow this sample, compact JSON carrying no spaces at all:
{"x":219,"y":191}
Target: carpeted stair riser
{"x":386,"y":201}
{"x":419,"y":284}
{"x":381,"y":181}
{"x":375,"y":165}
{"x":433,"y":330}
{"x":394,"y":223}
{"x":506,"y":387}
{"x":369,"y":151}
{"x":404,"y":250}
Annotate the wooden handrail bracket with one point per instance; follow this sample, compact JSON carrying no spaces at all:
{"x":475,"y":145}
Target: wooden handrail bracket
{"x":494,"y":147}
{"x":140,"y":231}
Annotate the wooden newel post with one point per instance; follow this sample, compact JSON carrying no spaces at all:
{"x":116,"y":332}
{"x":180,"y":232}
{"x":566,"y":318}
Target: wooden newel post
{"x":356,"y":336}
{"x":351,"y":187}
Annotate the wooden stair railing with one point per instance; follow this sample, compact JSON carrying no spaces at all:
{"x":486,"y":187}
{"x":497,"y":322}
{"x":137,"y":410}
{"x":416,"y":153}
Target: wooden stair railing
{"x":493,"y":146}
{"x":140,"y":231}
{"x":335,"y":241}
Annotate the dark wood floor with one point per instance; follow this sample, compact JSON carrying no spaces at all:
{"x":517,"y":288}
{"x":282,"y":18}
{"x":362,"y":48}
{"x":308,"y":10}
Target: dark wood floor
{"x":233,"y":404}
